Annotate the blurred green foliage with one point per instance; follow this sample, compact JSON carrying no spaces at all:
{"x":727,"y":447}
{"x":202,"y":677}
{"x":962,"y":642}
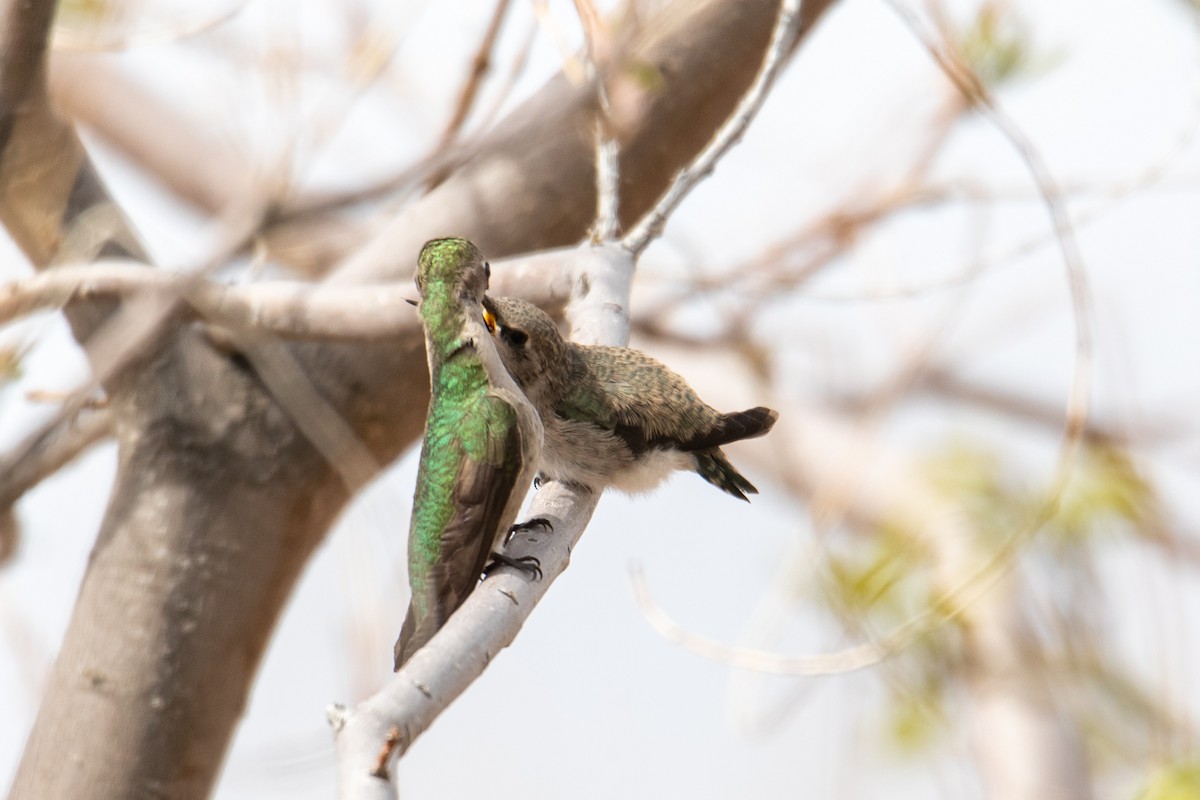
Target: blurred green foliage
{"x":10,"y":363}
{"x":882,"y":579}
{"x":645,"y":74}
{"x":1174,"y":782}
{"x":1105,"y":490}
{"x":84,"y":12}
{"x":997,"y":45}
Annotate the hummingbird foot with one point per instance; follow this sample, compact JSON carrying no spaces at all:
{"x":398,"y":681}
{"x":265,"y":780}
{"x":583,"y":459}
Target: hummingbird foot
{"x":527,"y":564}
{"x":531,"y":524}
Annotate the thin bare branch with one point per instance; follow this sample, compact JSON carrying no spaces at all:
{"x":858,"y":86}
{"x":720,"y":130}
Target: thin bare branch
{"x":1163,"y":431}
{"x":607,"y":150}
{"x":34,"y":461}
{"x":479,"y":68}
{"x":848,"y":660}
{"x":784,"y":36}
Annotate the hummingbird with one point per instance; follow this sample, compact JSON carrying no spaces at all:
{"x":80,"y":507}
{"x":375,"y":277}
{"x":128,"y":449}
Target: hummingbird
{"x":614,"y":416}
{"x":480,"y":450}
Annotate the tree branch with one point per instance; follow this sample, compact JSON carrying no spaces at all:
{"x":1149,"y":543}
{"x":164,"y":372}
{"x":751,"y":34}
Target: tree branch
{"x":36,"y":461}
{"x":783,"y":38}
{"x":479,"y":68}
{"x":290,"y":309}
{"x":161,"y":138}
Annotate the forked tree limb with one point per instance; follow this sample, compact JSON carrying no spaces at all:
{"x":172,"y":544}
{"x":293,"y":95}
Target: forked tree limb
{"x":220,"y":500}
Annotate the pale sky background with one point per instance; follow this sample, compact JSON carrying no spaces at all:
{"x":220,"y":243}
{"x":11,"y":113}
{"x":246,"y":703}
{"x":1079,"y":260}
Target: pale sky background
{"x":590,"y":702}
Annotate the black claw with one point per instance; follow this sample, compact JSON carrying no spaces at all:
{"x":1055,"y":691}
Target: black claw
{"x":527,"y":564}
{"x":530,"y":524}
{"x":527,"y":525}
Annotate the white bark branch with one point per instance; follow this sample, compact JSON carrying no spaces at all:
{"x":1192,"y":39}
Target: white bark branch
{"x":785,"y":34}
{"x":290,"y":309}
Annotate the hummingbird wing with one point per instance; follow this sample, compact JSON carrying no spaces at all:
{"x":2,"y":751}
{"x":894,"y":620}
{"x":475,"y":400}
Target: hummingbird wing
{"x":646,"y":404}
{"x":484,"y":502}
{"x":637,"y":398}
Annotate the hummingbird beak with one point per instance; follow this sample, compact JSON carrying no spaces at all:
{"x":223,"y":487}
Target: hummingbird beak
{"x":411,"y":302}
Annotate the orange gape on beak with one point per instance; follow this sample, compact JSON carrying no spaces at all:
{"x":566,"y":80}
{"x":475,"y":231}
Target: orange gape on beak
{"x":490,"y":320}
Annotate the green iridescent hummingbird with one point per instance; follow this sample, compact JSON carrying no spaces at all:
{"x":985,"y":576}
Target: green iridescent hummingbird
{"x":481,"y":446}
{"x":614,"y":416}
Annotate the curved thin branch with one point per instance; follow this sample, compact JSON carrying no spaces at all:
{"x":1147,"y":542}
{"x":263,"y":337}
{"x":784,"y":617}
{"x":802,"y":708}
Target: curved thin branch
{"x":953,"y":602}
{"x":847,"y":660}
{"x":783,"y":37}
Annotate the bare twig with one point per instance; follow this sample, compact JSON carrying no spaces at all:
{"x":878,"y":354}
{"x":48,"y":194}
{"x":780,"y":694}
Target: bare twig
{"x":515,"y":70}
{"x":785,"y":34}
{"x":36,"y":460}
{"x":1161,"y":432}
{"x":854,"y":658}
{"x":479,"y":67}
{"x":571,"y":67}
{"x":607,"y":185}
{"x":607,"y":151}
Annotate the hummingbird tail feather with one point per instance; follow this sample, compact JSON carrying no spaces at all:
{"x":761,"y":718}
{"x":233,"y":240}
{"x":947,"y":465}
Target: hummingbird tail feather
{"x":734,"y":427}
{"x":748,"y":424}
{"x":413,"y":636}
{"x":716,"y":469}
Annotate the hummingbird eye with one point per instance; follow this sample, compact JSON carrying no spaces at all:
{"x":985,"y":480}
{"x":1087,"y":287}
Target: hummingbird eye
{"x":514,"y":336}
{"x":487,"y":271}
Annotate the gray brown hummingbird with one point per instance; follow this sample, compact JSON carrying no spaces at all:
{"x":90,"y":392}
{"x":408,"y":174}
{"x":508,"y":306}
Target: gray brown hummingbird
{"x":614,"y":416}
